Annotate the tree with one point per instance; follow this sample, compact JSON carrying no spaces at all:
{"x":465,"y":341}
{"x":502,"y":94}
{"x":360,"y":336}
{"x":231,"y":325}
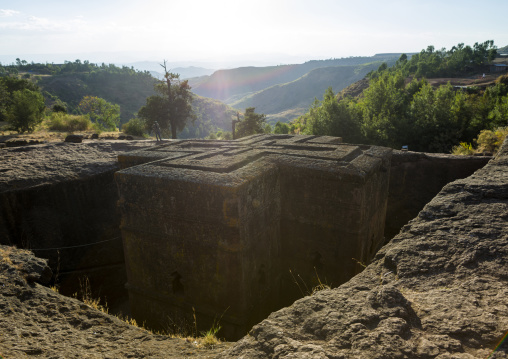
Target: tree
{"x":4,"y":101}
{"x":26,"y":110}
{"x":334,"y":118}
{"x":281,"y":128}
{"x":252,"y":123}
{"x":103,"y":113}
{"x":171,"y":107}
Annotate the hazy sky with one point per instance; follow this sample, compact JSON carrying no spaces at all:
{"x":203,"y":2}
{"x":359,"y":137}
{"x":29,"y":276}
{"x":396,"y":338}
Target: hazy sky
{"x":275,"y":31}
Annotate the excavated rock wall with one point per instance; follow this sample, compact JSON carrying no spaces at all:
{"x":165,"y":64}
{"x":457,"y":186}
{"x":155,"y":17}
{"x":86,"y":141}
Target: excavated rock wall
{"x":59,"y":200}
{"x":439,"y":289}
{"x":74,"y":224}
{"x":61,"y":195}
{"x":416,"y":178}
{"x":216,"y":226}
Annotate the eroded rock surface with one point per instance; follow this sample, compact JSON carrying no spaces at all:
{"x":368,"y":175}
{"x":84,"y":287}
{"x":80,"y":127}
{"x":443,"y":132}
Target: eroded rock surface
{"x":37,"y":321}
{"x":59,"y":199}
{"x":438,"y":290}
{"x":25,"y":167}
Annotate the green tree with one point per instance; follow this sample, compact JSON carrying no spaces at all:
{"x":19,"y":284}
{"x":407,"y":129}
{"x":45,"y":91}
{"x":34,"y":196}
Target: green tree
{"x":4,"y":101}
{"x":252,"y":123}
{"x":383,"y":109}
{"x":334,"y":118}
{"x":103,"y":113}
{"x":281,"y":128}
{"x":171,"y":107}
{"x":135,"y":127}
{"x":26,"y":110}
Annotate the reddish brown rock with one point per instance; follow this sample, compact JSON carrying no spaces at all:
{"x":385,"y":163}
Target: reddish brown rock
{"x":439,"y":289}
{"x":238,"y":221}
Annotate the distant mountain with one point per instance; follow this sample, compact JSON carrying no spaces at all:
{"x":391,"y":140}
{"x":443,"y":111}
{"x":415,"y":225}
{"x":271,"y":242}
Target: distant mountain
{"x":503,"y":50}
{"x":185,"y":72}
{"x":233,"y":84}
{"x":156,"y":70}
{"x":285,"y":102}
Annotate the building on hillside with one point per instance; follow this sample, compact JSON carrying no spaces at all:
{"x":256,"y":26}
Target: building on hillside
{"x":498,"y":68}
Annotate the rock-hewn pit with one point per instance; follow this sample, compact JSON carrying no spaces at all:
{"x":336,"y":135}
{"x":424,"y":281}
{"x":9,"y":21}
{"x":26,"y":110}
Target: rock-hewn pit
{"x":216,"y":227}
{"x":59,"y":199}
{"x":439,"y":289}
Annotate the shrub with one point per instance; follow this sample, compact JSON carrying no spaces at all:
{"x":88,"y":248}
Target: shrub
{"x":103,"y":114}
{"x":490,"y":141}
{"x":134,"y":127}
{"x":487,"y":140}
{"x":26,"y":111}
{"x":59,"y":107}
{"x":63,"y":122}
{"x":464,"y":148}
{"x":227,"y":135}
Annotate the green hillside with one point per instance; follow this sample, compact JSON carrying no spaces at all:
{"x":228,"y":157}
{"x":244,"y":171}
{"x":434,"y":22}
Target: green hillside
{"x":503,"y":50}
{"x":68,"y":83}
{"x":287,"y":101}
{"x":211,"y":115}
{"x":233,"y":84}
{"x":435,"y":101}
{"x":129,"y":90}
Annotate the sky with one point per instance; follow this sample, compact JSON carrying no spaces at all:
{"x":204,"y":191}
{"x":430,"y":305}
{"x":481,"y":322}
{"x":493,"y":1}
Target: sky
{"x":236,"y":31}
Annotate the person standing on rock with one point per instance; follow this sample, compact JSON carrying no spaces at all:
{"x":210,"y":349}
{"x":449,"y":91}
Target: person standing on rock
{"x":156,"y":129}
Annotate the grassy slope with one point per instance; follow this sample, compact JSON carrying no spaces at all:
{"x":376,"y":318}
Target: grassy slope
{"x":233,"y":84}
{"x":287,"y":101}
{"x":130,"y":92}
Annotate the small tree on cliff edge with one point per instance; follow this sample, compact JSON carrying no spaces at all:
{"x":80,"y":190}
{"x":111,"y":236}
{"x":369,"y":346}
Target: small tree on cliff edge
{"x":171,"y":107}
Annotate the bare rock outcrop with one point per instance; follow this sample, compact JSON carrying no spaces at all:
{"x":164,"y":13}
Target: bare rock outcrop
{"x":439,"y":289}
{"x":37,"y":321}
{"x":59,"y":199}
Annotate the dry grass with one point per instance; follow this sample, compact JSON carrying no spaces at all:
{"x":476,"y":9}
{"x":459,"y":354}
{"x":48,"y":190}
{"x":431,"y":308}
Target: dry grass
{"x":298,"y":280}
{"x":45,"y":135}
{"x":207,"y":339}
{"x":87,"y":297}
{"x":5,"y":254}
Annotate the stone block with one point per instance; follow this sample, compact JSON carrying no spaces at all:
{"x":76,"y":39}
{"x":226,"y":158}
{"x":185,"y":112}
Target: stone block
{"x":216,"y":226}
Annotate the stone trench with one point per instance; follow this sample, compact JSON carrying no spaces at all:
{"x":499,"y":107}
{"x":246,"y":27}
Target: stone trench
{"x":239,"y":229}
{"x":229,"y":230}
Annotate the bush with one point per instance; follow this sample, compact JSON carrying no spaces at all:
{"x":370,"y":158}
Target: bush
{"x":490,"y":141}
{"x":464,"y":149}
{"x":134,"y":127}
{"x":63,"y":122}
{"x":487,"y":140}
{"x":59,"y":107}
{"x":26,"y":111}
{"x":105,"y":115}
